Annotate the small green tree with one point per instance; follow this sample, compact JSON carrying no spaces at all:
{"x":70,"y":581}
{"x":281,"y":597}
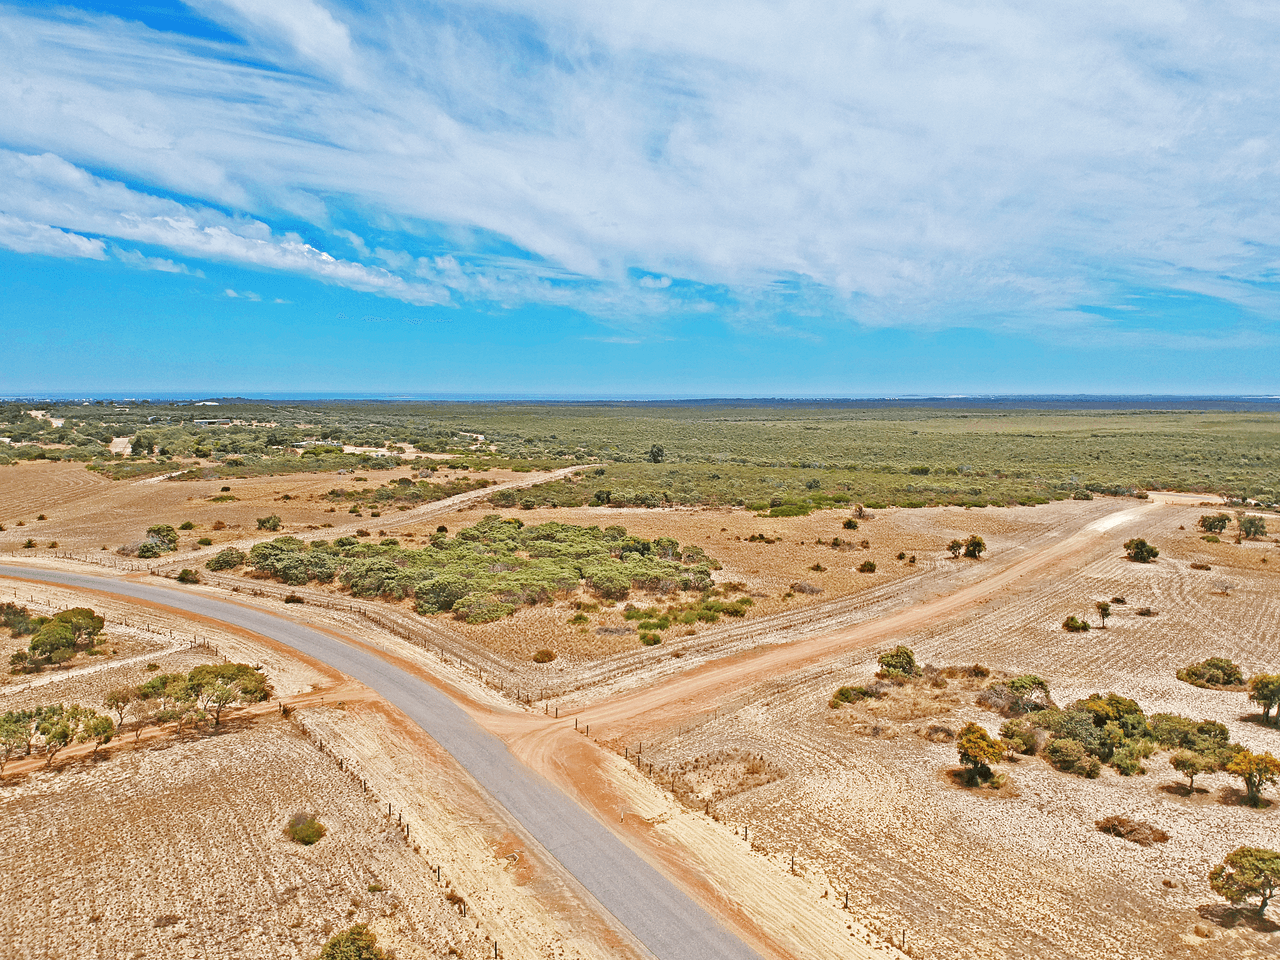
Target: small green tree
{"x":656,"y":453}
{"x":1257,"y":770}
{"x":1215,"y":523}
{"x":1104,"y":610}
{"x":97,"y":728}
{"x":978,"y":751}
{"x":1251,"y":528}
{"x":356,"y":943}
{"x":955,"y":546}
{"x":120,"y":699}
{"x":974,"y":547}
{"x":1264,"y":690}
{"x":1191,"y":765}
{"x":1247,"y":872}
{"x":1139,"y":551}
{"x":14,"y":736}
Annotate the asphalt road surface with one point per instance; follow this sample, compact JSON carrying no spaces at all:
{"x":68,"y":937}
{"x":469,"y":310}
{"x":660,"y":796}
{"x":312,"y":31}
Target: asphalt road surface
{"x":663,"y":918}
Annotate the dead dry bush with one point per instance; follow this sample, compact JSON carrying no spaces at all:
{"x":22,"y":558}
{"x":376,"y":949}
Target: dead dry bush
{"x":1135,"y":831}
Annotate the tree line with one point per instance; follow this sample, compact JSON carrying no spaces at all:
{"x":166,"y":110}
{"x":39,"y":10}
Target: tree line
{"x":199,"y":696}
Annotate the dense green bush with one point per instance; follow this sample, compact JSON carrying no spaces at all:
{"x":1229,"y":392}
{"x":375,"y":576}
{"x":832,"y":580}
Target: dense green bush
{"x":226,"y":559}
{"x":1071,"y":756}
{"x":1215,"y":523}
{"x":900,"y":661}
{"x":355,"y":943}
{"x":163,"y":536}
{"x":1074,"y":624}
{"x":1215,"y":672}
{"x":1139,"y":551}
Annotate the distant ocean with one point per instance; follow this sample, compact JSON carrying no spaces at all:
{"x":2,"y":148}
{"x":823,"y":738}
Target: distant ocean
{"x":959,"y":402}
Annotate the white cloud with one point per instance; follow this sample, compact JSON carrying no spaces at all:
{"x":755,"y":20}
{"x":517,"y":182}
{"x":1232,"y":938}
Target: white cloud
{"x":135,"y":258}
{"x":242,"y":295}
{"x":919,"y":163}
{"x":23,"y":236}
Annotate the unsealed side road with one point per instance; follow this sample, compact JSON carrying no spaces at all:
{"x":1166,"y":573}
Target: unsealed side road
{"x":656,"y":913}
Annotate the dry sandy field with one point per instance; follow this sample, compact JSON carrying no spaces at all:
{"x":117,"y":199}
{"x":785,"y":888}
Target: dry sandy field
{"x":755,"y":794}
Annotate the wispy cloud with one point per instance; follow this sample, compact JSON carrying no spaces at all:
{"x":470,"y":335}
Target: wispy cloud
{"x":47,"y":189}
{"x":136,"y":258}
{"x":918,"y":164}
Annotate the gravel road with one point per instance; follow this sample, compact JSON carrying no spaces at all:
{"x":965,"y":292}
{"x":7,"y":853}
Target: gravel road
{"x":655,"y":912}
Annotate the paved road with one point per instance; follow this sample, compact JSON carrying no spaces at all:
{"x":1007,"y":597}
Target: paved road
{"x":656,"y":913}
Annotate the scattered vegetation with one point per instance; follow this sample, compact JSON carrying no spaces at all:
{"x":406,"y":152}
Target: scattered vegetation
{"x":51,"y":729}
{"x":489,"y":570}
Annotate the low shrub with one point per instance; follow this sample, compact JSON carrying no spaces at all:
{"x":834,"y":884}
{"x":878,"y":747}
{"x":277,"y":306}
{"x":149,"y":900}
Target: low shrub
{"x":356,"y":943}
{"x":205,"y":542}
{"x":867,"y":566}
{"x":544,"y":656}
{"x":1070,"y":756}
{"x":188,"y":576}
{"x":855,"y":695}
{"x":1201,"y":566}
{"x":1021,"y":735}
{"x":304,"y":828}
{"x":1075,"y":625}
{"x":187,"y":525}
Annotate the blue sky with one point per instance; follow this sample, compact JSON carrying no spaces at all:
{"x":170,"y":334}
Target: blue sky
{"x":569,"y":198}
